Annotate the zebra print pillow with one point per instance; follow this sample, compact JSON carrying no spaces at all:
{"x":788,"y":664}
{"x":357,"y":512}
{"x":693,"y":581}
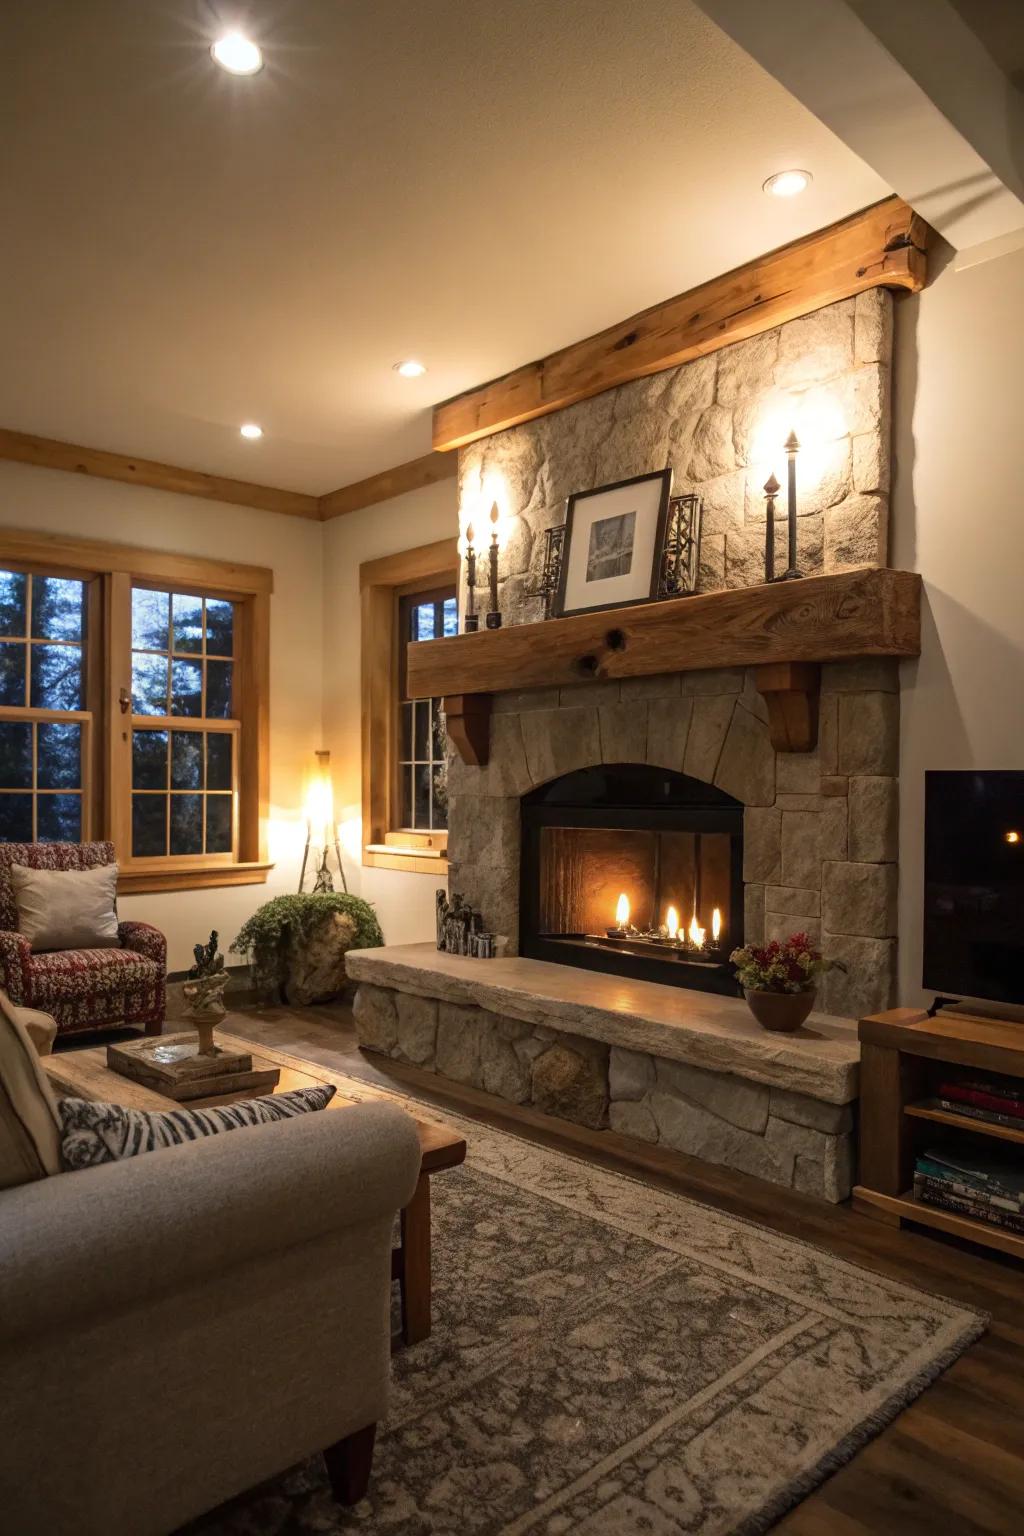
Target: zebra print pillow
{"x":105,"y":1133}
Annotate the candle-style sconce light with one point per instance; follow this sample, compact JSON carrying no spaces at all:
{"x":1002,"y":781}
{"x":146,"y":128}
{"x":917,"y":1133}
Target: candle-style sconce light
{"x":771,"y":490}
{"x":792,"y":447}
{"x":493,"y":620}
{"x":471,"y":622}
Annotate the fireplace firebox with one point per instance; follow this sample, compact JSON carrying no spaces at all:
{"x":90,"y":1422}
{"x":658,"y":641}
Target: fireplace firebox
{"x":634,"y":870}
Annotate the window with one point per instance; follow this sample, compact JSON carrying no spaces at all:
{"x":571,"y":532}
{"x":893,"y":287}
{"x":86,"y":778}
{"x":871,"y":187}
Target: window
{"x":45,"y":727}
{"x":406,"y":598}
{"x":422,"y":800}
{"x":133,"y":706}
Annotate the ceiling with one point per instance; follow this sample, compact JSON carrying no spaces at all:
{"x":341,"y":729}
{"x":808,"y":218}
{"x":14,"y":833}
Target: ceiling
{"x":470,"y":184}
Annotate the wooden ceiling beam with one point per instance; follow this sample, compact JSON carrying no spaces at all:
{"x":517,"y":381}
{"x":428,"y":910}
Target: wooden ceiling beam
{"x":49,"y":454}
{"x":883,"y":246}
{"x":413,"y":476}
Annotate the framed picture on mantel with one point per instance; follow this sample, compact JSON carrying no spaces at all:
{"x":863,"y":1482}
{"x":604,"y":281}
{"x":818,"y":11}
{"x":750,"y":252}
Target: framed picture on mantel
{"x":613,"y":542}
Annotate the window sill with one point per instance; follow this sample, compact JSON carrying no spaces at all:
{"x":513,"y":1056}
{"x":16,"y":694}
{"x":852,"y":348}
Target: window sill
{"x":414,"y":861}
{"x":171,"y":877}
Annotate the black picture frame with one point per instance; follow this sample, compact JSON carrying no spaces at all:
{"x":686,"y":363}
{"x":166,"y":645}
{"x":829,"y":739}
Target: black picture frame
{"x":559,"y":610}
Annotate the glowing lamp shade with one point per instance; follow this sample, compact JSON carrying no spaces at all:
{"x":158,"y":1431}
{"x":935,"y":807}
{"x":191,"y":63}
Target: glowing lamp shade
{"x":320,"y":801}
{"x":237,"y":54}
{"x":622,"y":910}
{"x":672,"y":923}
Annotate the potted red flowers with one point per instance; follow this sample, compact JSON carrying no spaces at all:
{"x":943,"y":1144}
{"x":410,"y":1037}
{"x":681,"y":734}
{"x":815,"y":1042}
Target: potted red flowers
{"x":779,"y":980}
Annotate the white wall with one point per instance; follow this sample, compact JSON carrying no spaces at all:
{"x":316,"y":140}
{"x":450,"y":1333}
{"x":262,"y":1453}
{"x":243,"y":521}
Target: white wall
{"x":49,"y":501}
{"x":404,"y":902}
{"x":958,"y":518}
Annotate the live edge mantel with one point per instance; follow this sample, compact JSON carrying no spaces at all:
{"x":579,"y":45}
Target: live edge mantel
{"x":783,"y":630}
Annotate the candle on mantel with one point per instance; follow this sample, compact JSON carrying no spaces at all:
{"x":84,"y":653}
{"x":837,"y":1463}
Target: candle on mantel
{"x":672,"y":924}
{"x":494,"y":615}
{"x":472,"y":620}
{"x":622,"y":912}
{"x":716,"y":926}
{"x":792,"y":446}
{"x":696,"y":933}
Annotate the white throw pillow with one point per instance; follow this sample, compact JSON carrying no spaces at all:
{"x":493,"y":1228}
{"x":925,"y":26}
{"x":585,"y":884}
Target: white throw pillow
{"x":66,"y":908}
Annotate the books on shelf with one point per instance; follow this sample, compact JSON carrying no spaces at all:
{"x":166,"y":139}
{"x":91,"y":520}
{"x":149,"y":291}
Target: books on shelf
{"x":975,"y":1112}
{"x":998,"y":1097}
{"x":972,"y":1181}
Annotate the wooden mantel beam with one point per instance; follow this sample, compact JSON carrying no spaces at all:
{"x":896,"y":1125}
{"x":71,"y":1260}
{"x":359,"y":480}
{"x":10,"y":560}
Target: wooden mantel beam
{"x":411,"y":476}
{"x":883,"y":246}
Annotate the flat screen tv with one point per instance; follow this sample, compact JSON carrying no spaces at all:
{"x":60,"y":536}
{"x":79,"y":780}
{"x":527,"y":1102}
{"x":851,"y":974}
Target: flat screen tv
{"x":974,"y":885}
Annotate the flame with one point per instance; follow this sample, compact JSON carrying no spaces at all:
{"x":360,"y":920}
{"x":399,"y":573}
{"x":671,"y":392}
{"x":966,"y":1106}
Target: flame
{"x":696,"y":933}
{"x":672,"y":923}
{"x":716,"y":925}
{"x":622,"y":910}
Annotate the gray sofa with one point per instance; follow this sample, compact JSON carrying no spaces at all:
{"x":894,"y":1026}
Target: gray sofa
{"x":176,"y":1328}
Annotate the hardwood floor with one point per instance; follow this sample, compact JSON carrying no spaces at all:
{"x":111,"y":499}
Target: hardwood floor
{"x":952,"y":1464}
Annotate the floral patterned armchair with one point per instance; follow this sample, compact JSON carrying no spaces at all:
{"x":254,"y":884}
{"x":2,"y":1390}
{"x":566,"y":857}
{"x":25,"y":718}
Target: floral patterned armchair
{"x":81,"y":988}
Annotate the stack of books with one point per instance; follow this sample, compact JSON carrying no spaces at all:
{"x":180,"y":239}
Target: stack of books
{"x":972,"y":1182}
{"x":997,"y":1100}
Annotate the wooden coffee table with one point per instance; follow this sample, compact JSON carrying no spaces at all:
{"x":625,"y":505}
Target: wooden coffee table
{"x":84,"y":1074}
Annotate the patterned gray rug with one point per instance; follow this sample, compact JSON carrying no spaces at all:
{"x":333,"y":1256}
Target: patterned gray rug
{"x":608,"y":1359}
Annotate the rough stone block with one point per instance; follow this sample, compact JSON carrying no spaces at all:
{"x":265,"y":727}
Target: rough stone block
{"x":826,"y":478}
{"x":559,"y":741}
{"x":801,"y":850}
{"x":459,"y":1034}
{"x":571,"y":1080}
{"x":832,"y":828}
{"x":869,"y":734}
{"x":838,"y":1168}
{"x":867,"y":399}
{"x":722,"y":503}
{"x":787,"y":802}
{"x":635,"y":442}
{"x":781,"y":926}
{"x":746,"y":767}
{"x":869,"y":674}
{"x":623,"y":732}
{"x":376,"y":1016}
{"x":708,"y":725}
{"x":752,"y":697}
{"x":589,"y":695}
{"x":747,"y":367}
{"x":753,"y":914}
{"x":869,"y":982}
{"x":762,"y":845}
{"x":744,"y":557}
{"x":800,"y":1109}
{"x":664,"y":685}
{"x":816,"y":346}
{"x":872,"y":327}
{"x":630,"y":1073}
{"x":668,"y":729}
{"x":417,"y":1028}
{"x":525,"y":699}
{"x":690,"y":387}
{"x":856,"y":533}
{"x":835,"y":784}
{"x":871,"y":468}
{"x":795,"y":902}
{"x":730,"y":1098}
{"x":506,"y":773}
{"x":635,"y":1120}
{"x":874,"y":820}
{"x":512,"y":1029}
{"x":515,"y":557}
{"x":860,"y":899}
{"x":692,"y":1129}
{"x":828,"y":734}
{"x":503,"y":1071}
{"x":711,"y":570}
{"x":711,"y":449}
{"x":713,"y":680}
{"x":798,"y":773}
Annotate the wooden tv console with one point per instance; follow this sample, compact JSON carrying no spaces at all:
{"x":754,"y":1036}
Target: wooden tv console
{"x":898,"y":1051}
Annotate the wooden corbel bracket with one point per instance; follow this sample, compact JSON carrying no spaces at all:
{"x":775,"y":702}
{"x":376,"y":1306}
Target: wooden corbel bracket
{"x":468,"y":718}
{"x":791,"y":690}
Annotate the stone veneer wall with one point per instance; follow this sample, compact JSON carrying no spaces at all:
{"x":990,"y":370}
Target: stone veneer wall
{"x":703,"y":419}
{"x":769,"y":1131}
{"x":820,"y":828}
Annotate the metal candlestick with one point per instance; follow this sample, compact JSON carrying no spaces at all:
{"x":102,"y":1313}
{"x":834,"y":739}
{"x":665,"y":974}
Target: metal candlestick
{"x":771,"y":490}
{"x":471,"y":622}
{"x":493,"y":619}
{"x":792,"y":449}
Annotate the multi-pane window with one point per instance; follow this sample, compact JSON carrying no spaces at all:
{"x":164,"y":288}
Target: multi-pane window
{"x":184,"y":733}
{"x":45,"y":725}
{"x":422,"y":769}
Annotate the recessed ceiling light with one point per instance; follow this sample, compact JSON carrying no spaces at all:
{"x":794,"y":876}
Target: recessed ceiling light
{"x":410,"y":369}
{"x":251,"y":430}
{"x":237,"y":54}
{"x":788,"y":183}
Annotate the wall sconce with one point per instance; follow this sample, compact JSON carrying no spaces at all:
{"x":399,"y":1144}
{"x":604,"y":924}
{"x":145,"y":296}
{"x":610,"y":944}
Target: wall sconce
{"x":321,"y":828}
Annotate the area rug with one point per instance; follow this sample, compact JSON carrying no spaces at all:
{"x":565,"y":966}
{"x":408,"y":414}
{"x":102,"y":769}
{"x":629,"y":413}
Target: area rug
{"x":608,"y":1358}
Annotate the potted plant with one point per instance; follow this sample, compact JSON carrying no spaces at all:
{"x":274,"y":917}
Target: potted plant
{"x":779,"y":980}
{"x":296,"y":945}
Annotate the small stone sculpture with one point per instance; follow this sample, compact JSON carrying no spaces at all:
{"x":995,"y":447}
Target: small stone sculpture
{"x":204,"y":992}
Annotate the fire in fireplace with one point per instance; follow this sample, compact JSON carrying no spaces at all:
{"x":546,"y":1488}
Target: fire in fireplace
{"x":635,"y":870}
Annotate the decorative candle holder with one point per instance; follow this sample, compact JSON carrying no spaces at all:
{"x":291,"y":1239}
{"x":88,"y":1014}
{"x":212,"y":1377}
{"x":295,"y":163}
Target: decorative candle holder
{"x":771,"y":490}
{"x":493,"y":620}
{"x":471,"y":622}
{"x":792,"y":449}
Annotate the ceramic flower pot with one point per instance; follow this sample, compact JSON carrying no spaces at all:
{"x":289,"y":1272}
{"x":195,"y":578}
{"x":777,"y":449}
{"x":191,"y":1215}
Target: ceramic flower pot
{"x":779,"y":1011}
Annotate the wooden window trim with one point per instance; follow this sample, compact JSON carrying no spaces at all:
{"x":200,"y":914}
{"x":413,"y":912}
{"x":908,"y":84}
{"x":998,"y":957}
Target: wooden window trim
{"x":112,"y":570}
{"x":382,"y":583}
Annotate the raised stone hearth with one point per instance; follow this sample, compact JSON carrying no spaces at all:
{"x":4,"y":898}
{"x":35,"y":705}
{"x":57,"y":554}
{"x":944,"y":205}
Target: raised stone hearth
{"x":687,"y":1070}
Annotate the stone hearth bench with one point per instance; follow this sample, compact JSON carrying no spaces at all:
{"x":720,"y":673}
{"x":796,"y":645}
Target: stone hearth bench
{"x":688,"y":1070}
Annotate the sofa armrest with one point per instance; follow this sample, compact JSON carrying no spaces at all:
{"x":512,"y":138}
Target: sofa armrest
{"x":89,"y":1243}
{"x":144,"y":939}
{"x":15,"y":954}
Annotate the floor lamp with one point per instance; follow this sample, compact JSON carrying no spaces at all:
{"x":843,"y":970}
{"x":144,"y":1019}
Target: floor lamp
{"x":320,"y":820}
